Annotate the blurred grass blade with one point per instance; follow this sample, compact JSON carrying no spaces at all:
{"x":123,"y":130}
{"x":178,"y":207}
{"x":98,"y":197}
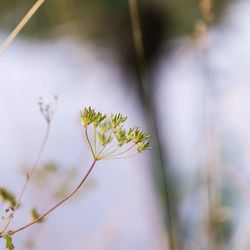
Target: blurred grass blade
{"x":161,"y":174}
{"x":136,"y":28}
{"x":20,"y":26}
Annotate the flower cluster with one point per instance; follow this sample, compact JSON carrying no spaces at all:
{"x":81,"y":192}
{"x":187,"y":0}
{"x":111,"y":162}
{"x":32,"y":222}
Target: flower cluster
{"x":110,"y":140}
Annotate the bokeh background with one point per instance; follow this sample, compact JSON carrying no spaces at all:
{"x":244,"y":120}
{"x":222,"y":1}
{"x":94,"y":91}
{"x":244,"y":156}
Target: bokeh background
{"x":186,"y":82}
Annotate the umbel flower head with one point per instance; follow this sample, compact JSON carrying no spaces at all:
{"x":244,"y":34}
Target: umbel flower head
{"x":108,"y":139}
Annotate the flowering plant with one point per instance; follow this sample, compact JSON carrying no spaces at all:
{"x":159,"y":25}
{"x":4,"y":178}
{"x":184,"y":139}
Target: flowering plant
{"x":106,"y":137}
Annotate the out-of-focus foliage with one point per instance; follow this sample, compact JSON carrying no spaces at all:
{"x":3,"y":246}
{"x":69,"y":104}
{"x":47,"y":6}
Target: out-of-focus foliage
{"x":102,"y":21}
{"x":35,"y":215}
{"x":100,"y":18}
{"x":107,"y":22}
{"x":184,"y":14}
{"x":9,"y":243}
{"x":7,"y":196}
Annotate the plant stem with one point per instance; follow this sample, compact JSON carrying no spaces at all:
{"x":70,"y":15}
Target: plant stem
{"x":95,"y":139}
{"x":136,"y":29}
{"x":119,"y":157}
{"x":88,"y":141}
{"x":20,"y":26}
{"x":28,"y":177}
{"x":164,"y":180}
{"x":55,"y":206}
{"x":111,"y":153}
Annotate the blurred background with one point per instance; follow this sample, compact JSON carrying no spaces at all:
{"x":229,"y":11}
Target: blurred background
{"x":178,"y":69}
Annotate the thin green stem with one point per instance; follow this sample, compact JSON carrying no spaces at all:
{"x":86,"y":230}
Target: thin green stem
{"x":95,"y":139}
{"x":88,"y":141}
{"x":112,"y":157}
{"x":111,"y":149}
{"x":123,"y":152}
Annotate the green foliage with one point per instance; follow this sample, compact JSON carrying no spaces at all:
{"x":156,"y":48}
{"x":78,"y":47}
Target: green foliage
{"x":35,"y":215}
{"x":7,"y":196}
{"x":117,"y":120}
{"x":9,"y":244}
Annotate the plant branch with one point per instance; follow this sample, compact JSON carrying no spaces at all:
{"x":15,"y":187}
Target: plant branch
{"x":28,"y":177}
{"x":95,"y":139}
{"x":111,"y":153}
{"x":113,"y":157}
{"x":55,"y":206}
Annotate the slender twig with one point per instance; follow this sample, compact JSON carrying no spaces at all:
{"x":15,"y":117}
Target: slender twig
{"x":28,"y":177}
{"x":126,"y":150}
{"x":95,"y":139}
{"x":20,"y":26}
{"x":113,"y":157}
{"x":111,"y":153}
{"x":55,"y":206}
{"x":136,"y":29}
{"x":88,"y":141}
{"x":111,"y":149}
{"x":99,"y":154}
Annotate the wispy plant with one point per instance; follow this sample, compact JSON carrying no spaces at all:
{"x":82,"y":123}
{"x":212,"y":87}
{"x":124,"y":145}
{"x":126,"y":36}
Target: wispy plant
{"x":47,"y":111}
{"x":106,"y":137}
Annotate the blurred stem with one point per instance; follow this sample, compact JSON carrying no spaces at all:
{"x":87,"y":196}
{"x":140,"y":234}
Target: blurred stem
{"x":20,"y":26}
{"x":162,"y":175}
{"x":55,"y":206}
{"x":212,"y":165}
{"x":136,"y":29}
{"x":28,"y":177}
